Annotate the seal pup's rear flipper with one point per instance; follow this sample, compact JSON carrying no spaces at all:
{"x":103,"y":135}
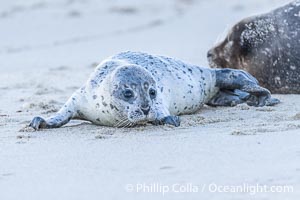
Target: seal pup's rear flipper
{"x":243,"y":83}
{"x":234,"y":97}
{"x":226,"y":98}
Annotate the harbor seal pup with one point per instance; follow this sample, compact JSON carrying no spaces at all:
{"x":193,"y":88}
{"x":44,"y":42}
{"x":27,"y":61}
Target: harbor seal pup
{"x":133,"y":88}
{"x":267,"y":46}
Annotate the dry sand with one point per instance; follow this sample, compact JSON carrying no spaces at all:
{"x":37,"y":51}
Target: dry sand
{"x":48,"y":49}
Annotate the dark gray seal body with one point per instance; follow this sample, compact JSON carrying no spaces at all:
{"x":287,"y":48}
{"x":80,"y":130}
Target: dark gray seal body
{"x":267,"y":46}
{"x":133,"y":88}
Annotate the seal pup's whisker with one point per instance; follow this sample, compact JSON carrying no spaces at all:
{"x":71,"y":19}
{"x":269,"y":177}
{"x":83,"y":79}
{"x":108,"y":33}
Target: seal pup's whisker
{"x":118,"y":123}
{"x":127,"y":124}
{"x":121,"y":123}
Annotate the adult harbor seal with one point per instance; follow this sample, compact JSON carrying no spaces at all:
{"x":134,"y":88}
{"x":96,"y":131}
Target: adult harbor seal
{"x":267,"y":46}
{"x":135,"y":88}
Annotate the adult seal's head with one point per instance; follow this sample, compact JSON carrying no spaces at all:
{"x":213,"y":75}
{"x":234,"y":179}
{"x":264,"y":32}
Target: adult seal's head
{"x":267,"y":46}
{"x":133,"y":94}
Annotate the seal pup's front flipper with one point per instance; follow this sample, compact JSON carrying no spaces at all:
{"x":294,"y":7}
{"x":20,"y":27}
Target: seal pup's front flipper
{"x":163,"y":116}
{"x":239,"y":80}
{"x":171,"y":120}
{"x":62,"y":117}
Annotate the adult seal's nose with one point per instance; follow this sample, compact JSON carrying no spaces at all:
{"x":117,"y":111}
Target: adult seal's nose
{"x":209,"y":54}
{"x":145,"y":110}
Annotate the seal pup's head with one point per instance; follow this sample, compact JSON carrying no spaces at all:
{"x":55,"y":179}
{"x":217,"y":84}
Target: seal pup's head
{"x":134,"y":94}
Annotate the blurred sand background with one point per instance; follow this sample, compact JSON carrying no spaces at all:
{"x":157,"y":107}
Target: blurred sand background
{"x":48,"y":48}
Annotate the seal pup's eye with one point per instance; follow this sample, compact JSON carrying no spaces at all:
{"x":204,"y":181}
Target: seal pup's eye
{"x":152,"y":93}
{"x":128,"y":93}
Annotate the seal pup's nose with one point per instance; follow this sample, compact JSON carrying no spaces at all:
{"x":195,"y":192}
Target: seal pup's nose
{"x":145,"y":110}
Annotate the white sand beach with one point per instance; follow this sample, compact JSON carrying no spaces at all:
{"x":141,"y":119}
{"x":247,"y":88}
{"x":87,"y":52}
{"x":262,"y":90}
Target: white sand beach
{"x":48,"y":48}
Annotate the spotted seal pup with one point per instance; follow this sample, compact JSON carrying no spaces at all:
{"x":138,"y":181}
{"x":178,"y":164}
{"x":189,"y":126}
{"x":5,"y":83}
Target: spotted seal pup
{"x":267,"y":46}
{"x":133,"y":88}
